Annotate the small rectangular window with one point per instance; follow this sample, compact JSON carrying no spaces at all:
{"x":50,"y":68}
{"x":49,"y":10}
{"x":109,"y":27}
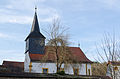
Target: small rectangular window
{"x":44,"y":70}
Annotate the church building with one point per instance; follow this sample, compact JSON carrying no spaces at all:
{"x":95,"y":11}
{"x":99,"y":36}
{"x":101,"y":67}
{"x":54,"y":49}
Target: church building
{"x":36,"y":49}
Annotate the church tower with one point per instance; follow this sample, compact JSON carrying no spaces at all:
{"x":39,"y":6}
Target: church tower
{"x":35,"y":41}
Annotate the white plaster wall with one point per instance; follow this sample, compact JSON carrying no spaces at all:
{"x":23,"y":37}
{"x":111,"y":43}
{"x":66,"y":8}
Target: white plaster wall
{"x":26,"y":62}
{"x":117,"y":73}
{"x":68,"y":69}
{"x":81,"y":67}
{"x":82,"y":70}
{"x":89,"y":67}
{"x":37,"y":67}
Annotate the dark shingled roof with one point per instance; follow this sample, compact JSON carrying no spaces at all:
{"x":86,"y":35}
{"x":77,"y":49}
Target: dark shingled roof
{"x":77,"y":54}
{"x":35,"y":31}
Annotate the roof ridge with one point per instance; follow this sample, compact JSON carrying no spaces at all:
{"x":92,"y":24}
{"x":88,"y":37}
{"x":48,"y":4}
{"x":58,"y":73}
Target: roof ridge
{"x":12,"y":61}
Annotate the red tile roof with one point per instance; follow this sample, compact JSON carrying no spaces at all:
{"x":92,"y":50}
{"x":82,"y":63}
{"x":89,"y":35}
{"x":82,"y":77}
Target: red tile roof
{"x":13,"y":65}
{"x":116,"y":63}
{"x":77,"y":54}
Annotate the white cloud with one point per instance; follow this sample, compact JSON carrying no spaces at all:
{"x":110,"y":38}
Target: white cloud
{"x":24,"y":19}
{"x":10,"y":13}
{"x":50,"y":19}
{"x":11,"y":55}
{"x":3,"y":35}
{"x":110,"y":4}
{"x":19,"y":19}
{"x":11,"y":37}
{"x":25,"y":4}
{"x":9,"y":6}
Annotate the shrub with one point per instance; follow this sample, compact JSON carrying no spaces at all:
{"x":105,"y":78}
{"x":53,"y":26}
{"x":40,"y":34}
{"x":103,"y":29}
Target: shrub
{"x":61,"y":72}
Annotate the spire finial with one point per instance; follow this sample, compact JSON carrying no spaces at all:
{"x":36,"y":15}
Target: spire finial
{"x":35,"y":9}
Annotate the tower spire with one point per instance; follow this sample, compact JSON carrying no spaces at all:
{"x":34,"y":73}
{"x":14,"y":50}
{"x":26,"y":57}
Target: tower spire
{"x":35,"y":9}
{"x":35,"y":31}
{"x":35,"y":25}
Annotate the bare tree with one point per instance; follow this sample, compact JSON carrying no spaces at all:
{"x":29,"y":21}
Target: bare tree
{"x":99,"y":68}
{"x":57,"y":43}
{"x":109,"y":52}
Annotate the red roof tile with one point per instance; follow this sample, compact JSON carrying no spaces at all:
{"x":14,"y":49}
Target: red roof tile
{"x":77,"y":54}
{"x":116,"y":63}
{"x":13,"y":64}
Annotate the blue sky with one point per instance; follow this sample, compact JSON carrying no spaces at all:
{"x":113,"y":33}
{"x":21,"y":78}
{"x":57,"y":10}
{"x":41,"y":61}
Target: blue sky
{"x":88,"y":20}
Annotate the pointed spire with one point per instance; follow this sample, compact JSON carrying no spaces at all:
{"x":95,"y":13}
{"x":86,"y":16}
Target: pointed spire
{"x":35,"y":31}
{"x":35,"y":9}
{"x":35,"y":25}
